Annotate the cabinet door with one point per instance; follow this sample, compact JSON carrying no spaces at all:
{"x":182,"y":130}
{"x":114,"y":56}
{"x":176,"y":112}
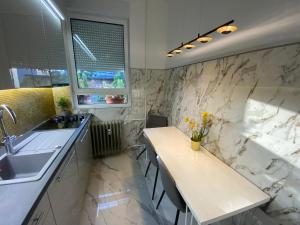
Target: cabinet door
{"x":43,"y":214}
{"x":49,"y":219}
{"x":63,"y":192}
{"x":84,"y":156}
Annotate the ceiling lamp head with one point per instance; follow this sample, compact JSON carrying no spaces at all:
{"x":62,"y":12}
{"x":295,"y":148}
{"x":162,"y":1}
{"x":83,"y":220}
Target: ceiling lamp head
{"x":204,"y":39}
{"x":227,"y":29}
{"x":177,"y":51}
{"x":189,"y":46}
{"x":170,"y":55}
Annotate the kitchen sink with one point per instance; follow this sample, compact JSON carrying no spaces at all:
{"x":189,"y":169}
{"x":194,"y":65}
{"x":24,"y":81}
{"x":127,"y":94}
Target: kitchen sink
{"x":24,"y":168}
{"x":35,"y":155}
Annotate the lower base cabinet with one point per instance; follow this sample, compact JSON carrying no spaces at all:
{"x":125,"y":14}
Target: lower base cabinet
{"x":43,"y":214}
{"x":63,"y":192}
{"x":83,"y":147}
{"x":63,"y":201}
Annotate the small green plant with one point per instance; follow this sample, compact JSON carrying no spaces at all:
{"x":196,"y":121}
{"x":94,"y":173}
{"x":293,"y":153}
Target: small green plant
{"x":83,"y":78}
{"x":64,"y":103}
{"x":118,"y":81}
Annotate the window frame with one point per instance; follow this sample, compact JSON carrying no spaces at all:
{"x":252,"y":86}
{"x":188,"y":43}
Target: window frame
{"x":72,"y":65}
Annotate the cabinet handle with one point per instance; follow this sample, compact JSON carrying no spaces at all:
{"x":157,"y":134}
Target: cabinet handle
{"x":58,"y":179}
{"x":82,"y":139}
{"x":37,"y":220}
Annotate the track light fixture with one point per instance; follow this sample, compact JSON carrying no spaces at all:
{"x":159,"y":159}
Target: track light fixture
{"x":204,"y":39}
{"x":225,"y":28}
{"x":177,"y":51}
{"x":189,"y":46}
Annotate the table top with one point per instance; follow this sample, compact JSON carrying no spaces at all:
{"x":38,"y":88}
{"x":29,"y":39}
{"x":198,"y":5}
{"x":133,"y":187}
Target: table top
{"x":212,"y":190}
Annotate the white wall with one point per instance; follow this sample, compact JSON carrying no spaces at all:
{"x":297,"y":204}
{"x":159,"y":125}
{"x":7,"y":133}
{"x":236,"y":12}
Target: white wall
{"x":137,"y":33}
{"x":261,"y":24}
{"x":156,"y":39}
{"x":107,"y":8}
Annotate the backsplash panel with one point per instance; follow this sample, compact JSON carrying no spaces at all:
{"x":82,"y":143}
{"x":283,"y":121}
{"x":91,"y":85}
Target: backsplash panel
{"x":254,"y":99}
{"x":32,"y":106}
{"x":59,"y":92}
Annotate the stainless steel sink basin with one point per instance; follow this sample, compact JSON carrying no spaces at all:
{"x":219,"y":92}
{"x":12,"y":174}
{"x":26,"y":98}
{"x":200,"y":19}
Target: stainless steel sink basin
{"x":23,"y":168}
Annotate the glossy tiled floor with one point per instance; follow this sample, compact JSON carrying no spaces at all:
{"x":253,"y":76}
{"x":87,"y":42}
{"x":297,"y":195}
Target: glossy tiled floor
{"x":117,"y":194}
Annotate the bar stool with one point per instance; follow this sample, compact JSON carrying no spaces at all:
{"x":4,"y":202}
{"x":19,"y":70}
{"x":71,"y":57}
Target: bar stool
{"x":152,"y":122}
{"x":171,"y":190}
{"x":152,"y":160}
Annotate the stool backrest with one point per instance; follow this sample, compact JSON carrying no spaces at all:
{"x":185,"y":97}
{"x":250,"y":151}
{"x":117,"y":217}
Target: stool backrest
{"x":156,"y":121}
{"x":170,"y":186}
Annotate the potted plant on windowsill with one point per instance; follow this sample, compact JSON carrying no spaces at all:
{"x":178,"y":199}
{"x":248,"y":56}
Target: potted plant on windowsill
{"x":198,"y":131}
{"x":115,"y":99}
{"x":64,"y":104}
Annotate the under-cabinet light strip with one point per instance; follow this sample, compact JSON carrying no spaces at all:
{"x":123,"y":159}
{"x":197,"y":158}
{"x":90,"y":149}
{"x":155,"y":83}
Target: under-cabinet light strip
{"x":53,"y":9}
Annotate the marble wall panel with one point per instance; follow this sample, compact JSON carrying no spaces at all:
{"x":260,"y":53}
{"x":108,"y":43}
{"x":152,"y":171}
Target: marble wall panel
{"x":254,"y":100}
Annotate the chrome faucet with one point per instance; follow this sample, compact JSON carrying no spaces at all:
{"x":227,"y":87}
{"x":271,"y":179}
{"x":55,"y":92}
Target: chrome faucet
{"x":7,"y":140}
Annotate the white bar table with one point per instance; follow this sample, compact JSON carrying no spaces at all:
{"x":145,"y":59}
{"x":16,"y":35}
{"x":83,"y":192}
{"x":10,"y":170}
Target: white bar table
{"x":212,"y":190}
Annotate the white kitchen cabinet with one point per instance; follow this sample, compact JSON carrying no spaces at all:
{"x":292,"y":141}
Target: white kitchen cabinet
{"x":63,"y":192}
{"x":43,"y":213}
{"x":67,"y":189}
{"x":84,"y":156}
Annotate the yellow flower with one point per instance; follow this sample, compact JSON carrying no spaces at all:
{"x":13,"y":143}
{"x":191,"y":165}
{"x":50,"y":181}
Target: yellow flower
{"x":204,"y":114}
{"x":186,"y":119}
{"x":192,"y":124}
{"x":204,"y":118}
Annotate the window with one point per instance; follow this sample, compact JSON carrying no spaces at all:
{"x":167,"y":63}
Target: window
{"x":100,"y":53}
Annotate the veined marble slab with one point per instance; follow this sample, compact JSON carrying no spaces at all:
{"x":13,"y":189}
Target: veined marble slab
{"x":254,"y":100}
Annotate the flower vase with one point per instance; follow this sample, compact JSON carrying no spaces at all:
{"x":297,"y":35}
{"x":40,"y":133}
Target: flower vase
{"x":195,"y":145}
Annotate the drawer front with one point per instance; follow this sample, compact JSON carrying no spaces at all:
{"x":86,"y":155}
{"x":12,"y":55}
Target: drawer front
{"x":84,"y":157}
{"x":40,"y":212}
{"x":63,"y":192}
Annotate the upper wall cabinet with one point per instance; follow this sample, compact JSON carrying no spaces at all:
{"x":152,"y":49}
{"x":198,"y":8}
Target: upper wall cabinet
{"x":32,"y":50}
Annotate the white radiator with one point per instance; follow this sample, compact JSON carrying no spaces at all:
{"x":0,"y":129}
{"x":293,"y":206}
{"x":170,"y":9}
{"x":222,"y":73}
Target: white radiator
{"x":107,"y":137}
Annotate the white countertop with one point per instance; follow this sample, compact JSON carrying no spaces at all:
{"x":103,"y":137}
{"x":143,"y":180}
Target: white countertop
{"x":212,"y":190}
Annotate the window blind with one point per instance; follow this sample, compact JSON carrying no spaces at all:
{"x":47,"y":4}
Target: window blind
{"x":98,"y":45}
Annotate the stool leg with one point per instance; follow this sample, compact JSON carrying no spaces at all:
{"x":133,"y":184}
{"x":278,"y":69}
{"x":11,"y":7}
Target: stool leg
{"x":177,"y":217}
{"x":161,"y":197}
{"x":141,"y":153}
{"x":147,"y":168}
{"x":191,"y":222}
{"x":186,"y":212}
{"x":155,"y":181}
